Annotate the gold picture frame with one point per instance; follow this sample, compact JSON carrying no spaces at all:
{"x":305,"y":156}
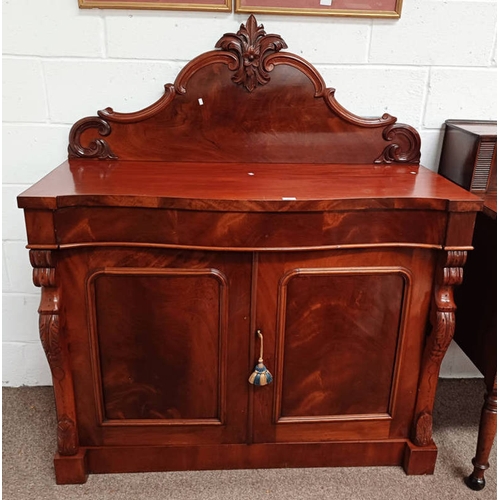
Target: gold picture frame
{"x":202,"y":5}
{"x":339,"y":8}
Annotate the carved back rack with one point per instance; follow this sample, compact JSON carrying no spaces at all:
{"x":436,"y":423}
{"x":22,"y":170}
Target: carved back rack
{"x":246,"y":101}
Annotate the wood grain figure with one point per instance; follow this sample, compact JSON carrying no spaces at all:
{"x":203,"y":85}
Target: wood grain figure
{"x":245,"y":199}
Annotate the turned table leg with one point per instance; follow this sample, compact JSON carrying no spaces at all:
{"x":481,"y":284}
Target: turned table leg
{"x":487,"y":431}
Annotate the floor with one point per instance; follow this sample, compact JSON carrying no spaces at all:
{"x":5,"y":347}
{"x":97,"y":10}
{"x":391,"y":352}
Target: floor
{"x":29,"y":444}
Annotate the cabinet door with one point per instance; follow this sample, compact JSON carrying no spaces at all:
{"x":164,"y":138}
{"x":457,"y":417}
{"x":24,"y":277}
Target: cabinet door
{"x":150,"y":347}
{"x":343,"y":334}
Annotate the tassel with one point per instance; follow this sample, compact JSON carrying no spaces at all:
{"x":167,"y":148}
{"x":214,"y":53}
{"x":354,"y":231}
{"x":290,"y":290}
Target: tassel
{"x":261,"y":375}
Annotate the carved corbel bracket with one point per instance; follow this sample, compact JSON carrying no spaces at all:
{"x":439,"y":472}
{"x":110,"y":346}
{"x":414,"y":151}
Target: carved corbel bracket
{"x":404,"y":147}
{"x":44,"y":276}
{"x":448,"y":275}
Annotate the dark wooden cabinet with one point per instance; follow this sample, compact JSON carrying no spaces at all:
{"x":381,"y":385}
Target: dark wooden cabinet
{"x":246,"y":199}
{"x":469,"y":154}
{"x":469,"y":159}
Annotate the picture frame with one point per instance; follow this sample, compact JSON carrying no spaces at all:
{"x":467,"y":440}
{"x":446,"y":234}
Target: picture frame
{"x":340,"y":8}
{"x":201,"y":5}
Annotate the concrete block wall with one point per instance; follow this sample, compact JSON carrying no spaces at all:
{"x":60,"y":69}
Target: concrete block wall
{"x":61,"y":63}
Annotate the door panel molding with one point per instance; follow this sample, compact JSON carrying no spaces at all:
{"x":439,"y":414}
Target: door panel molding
{"x":221,"y":351}
{"x":286,"y":279}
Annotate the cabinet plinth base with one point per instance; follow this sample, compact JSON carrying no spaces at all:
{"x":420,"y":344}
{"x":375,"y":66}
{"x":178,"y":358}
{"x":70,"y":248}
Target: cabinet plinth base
{"x":116,"y":459}
{"x":71,"y":469}
{"x":419,"y":460}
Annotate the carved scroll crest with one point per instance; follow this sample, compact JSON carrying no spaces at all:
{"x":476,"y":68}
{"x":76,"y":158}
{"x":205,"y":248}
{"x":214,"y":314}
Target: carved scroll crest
{"x":252,"y":46}
{"x":97,"y":148}
{"x":404,"y":147}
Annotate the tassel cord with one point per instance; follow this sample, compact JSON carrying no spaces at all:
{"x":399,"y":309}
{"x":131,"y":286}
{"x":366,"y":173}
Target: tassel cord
{"x":261,"y":357}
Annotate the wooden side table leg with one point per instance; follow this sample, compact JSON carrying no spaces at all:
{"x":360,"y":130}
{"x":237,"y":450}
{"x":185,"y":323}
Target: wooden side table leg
{"x":487,"y":432}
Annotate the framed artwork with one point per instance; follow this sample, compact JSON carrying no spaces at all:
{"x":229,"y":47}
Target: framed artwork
{"x":356,"y":8}
{"x":218,"y":5}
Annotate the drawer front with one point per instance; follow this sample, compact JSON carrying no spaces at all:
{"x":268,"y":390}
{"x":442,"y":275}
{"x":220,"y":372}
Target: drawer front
{"x":248,"y":231}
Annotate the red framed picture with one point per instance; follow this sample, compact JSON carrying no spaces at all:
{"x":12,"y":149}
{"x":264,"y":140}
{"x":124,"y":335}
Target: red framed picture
{"x":356,"y":8}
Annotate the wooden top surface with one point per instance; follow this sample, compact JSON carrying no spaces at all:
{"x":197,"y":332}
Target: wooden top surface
{"x":245,"y":187}
{"x":246,"y":127}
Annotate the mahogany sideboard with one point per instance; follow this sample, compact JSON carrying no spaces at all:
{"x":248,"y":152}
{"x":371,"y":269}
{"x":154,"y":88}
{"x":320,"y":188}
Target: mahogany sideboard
{"x":245,"y":211}
{"x":469,"y":158}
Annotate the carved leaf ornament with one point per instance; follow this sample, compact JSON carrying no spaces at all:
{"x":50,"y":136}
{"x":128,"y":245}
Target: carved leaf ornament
{"x":251,"y":44}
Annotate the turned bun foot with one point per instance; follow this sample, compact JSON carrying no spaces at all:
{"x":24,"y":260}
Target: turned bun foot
{"x":476,"y":480}
{"x":475,"y":483}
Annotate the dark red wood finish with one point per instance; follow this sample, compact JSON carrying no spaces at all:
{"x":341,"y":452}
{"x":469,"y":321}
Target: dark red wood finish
{"x":245,"y":199}
{"x":469,"y":159}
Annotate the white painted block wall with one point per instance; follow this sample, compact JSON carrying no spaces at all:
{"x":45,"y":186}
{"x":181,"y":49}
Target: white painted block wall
{"x":61,"y":64}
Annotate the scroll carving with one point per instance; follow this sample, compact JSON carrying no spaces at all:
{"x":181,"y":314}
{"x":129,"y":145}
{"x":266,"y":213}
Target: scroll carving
{"x":337,"y":108}
{"x":109,"y":115}
{"x":97,"y":148}
{"x":251,"y":45}
{"x":43,"y":268}
{"x":49,"y":335}
{"x":404,"y":147}
{"x":250,"y":56}
{"x":44,"y":276}
{"x":423,"y":429}
{"x":67,"y":441}
{"x":449,"y":275}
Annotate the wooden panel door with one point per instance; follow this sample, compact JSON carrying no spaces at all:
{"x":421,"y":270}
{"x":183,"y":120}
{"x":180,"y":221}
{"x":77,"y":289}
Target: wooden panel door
{"x":150,"y":349}
{"x":338,"y":328}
